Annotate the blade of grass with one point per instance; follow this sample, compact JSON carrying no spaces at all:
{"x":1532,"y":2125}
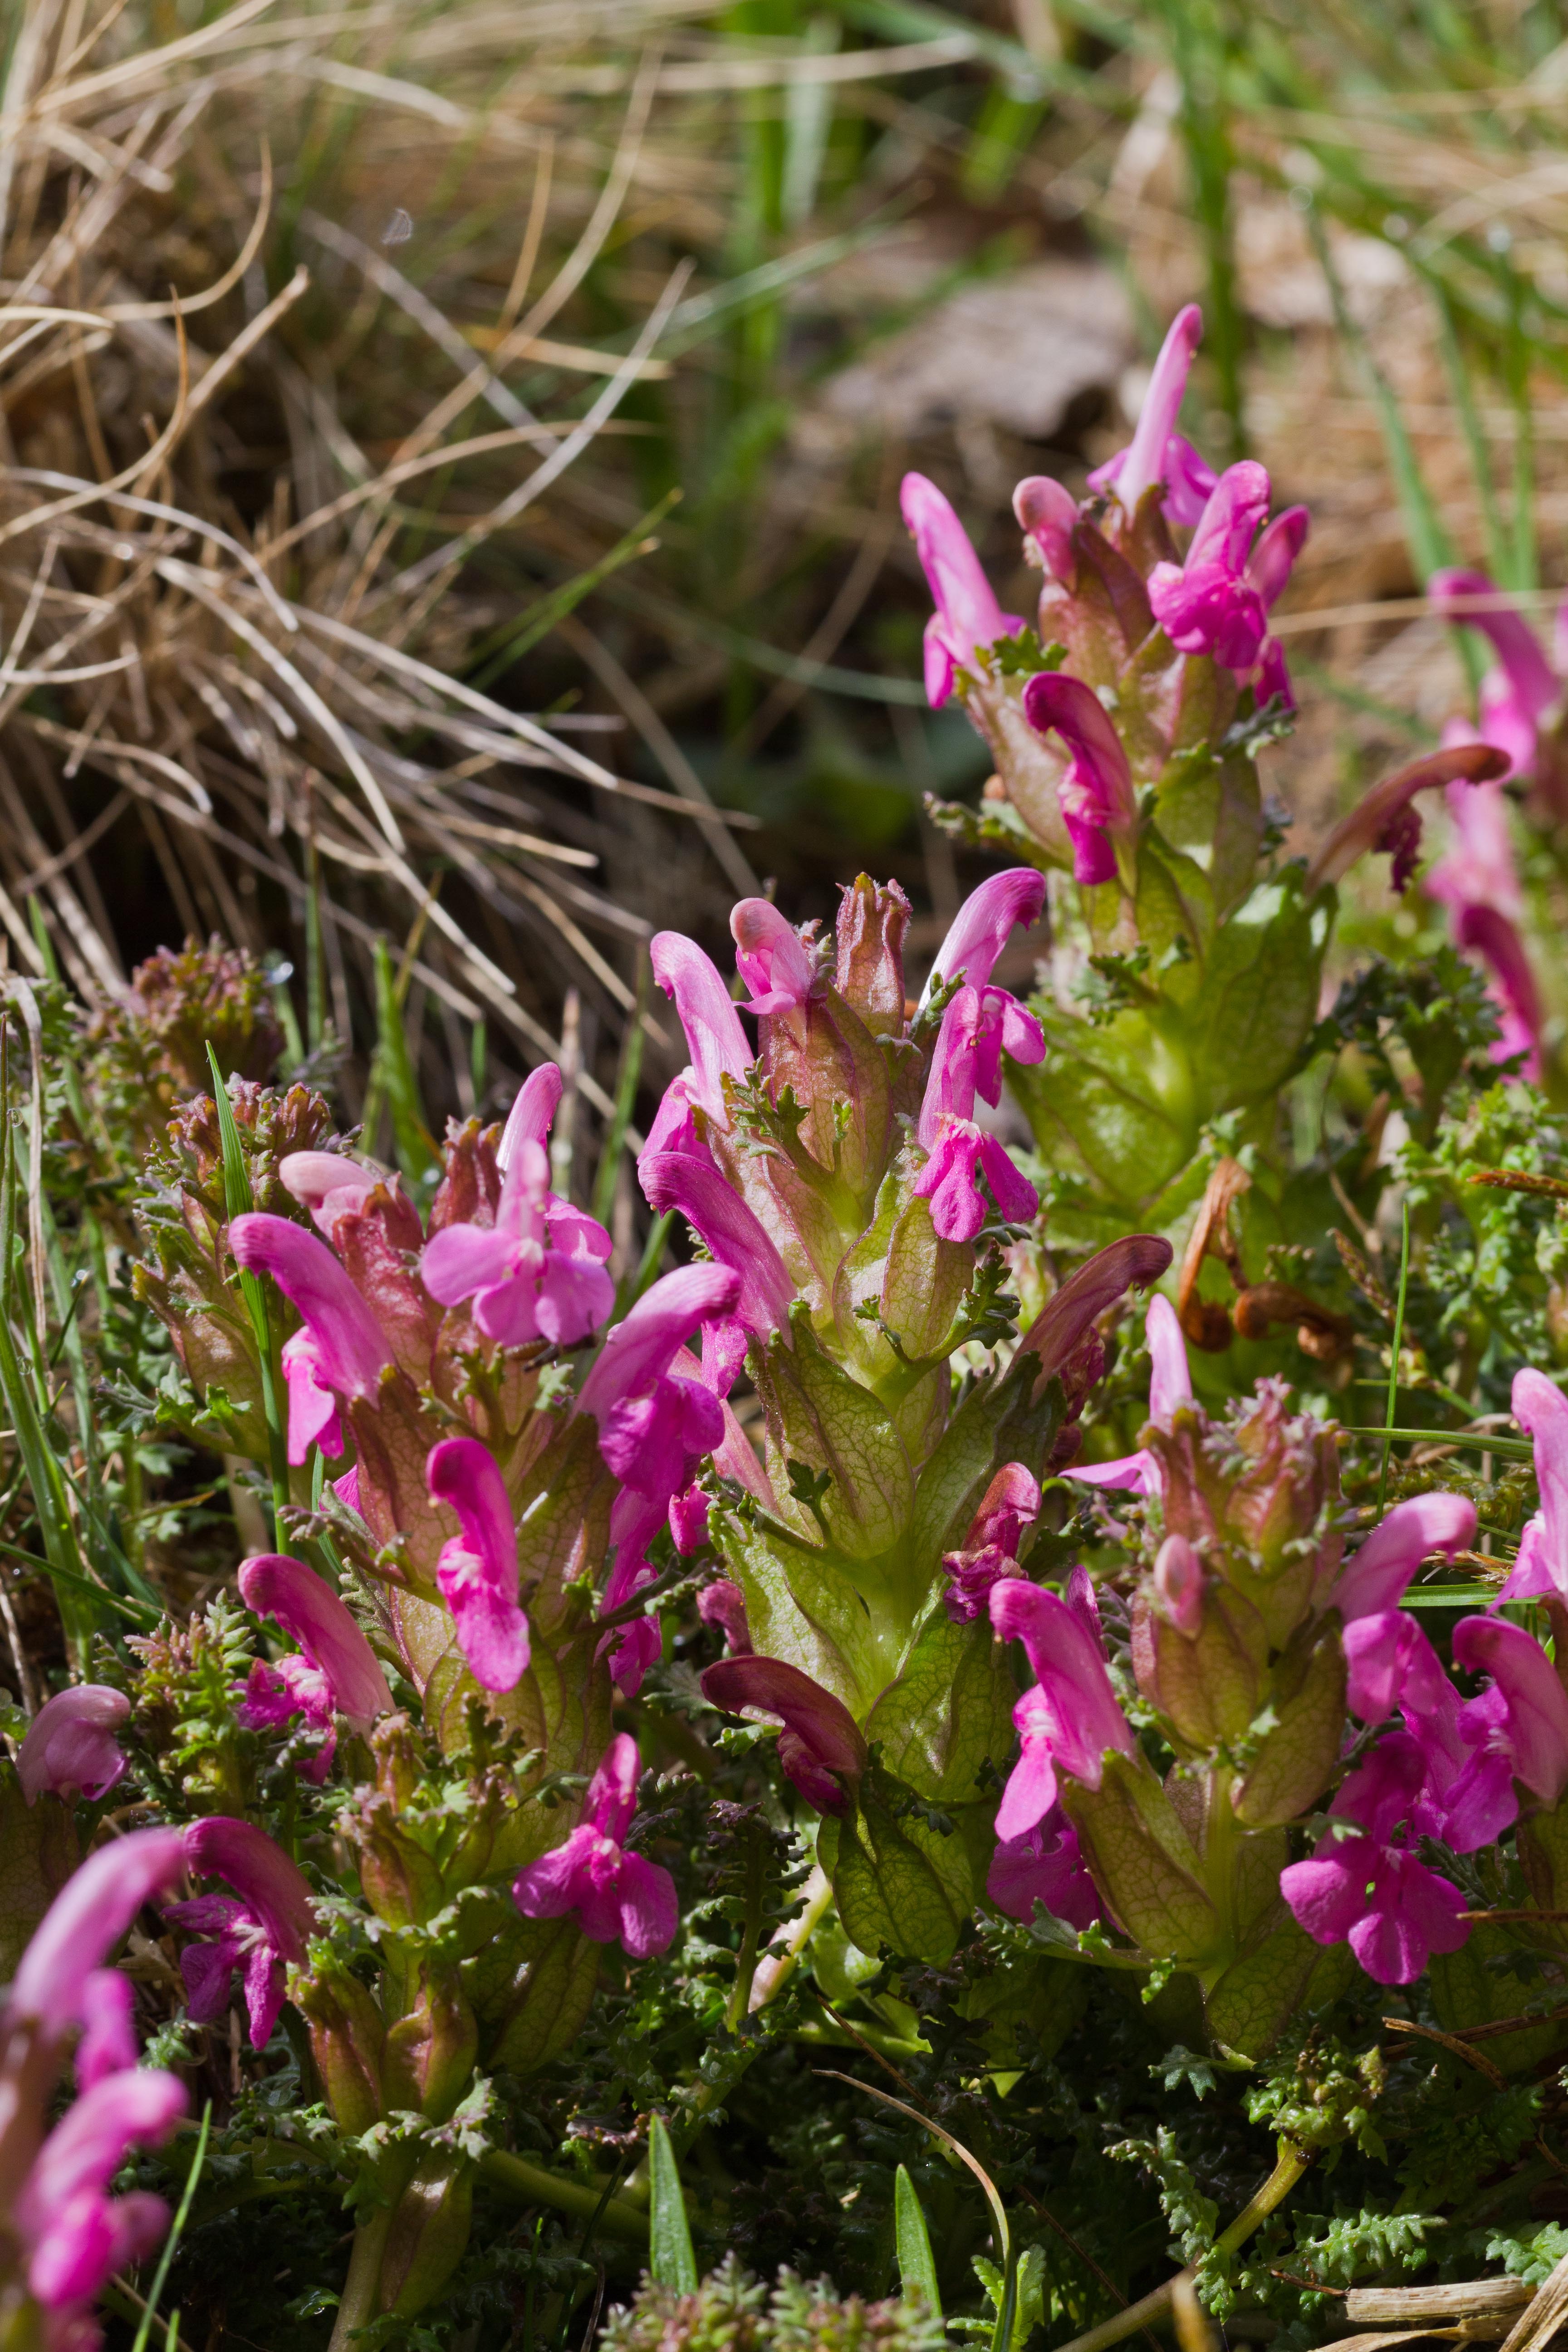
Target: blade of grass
{"x":917,"y":2264}
{"x":171,"y":2243}
{"x":672,"y":2261}
{"x":626,"y":1098}
{"x":1393,"y":1354}
{"x":239,"y":1201}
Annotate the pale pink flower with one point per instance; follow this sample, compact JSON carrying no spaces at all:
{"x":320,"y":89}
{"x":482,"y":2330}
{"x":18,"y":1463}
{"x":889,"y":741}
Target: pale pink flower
{"x":614,"y":1892}
{"x":70,"y":1749}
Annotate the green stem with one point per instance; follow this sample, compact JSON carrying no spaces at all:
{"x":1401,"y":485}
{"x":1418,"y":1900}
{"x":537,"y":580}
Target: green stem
{"x":357,"y":2307}
{"x":531,"y":2185}
{"x":1393,"y":1356}
{"x":1292,"y":2163}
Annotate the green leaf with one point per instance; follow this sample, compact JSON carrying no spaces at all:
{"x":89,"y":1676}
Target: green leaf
{"x":1138,"y":1850}
{"x":1258,"y":1994}
{"x":951,"y":1707}
{"x":896,"y":1881}
{"x":394,"y":1078}
{"x":917,"y":2264}
{"x":672,"y":2261}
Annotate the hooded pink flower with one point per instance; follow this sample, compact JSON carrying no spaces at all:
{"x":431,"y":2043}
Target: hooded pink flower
{"x":1211,"y":603}
{"x":978,"y":1027}
{"x":340,"y":1352}
{"x":722,"y":1603}
{"x":533,"y":1113}
{"x":821,"y":1747}
{"x":326,"y":1183}
{"x":1541,"y":1410}
{"x":70,"y":1749}
{"x":538,"y":1273}
{"x":772,"y":958}
{"x":1385,"y":818}
{"x":1516,"y":695}
{"x":1071,"y":1716}
{"x":477,"y":1571}
{"x":614,"y":1894}
{"x":961,"y":1153}
{"x":263,"y":1932}
{"x":1374,"y":1577}
{"x":84,"y":1922}
{"x":1530,"y":1727}
{"x":1096,"y":788}
{"x":1157,"y":452}
{"x":728,"y":1231}
{"x":983,"y":925}
{"x":1369,"y":1887}
{"x":74,"y":2234}
{"x":653,"y":1429}
{"x":1268,"y":567}
{"x":1010,"y":1503}
{"x":967,"y":618}
{"x":1169,"y":1384}
{"x":336,"y":1671}
{"x":1043,"y":1866}
{"x":714,"y":1037}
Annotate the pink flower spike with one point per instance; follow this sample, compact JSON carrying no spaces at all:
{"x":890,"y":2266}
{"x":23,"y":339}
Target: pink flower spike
{"x":75,"y":2233}
{"x":1179,"y":1582}
{"x":961,"y":1153}
{"x":108,"y":2044}
{"x":351,"y":1353}
{"x":1530,"y":685}
{"x":984,"y":923}
{"x":1075,"y":1688}
{"x":1047,"y":514}
{"x":1044,"y":1868}
{"x":1209,"y":604}
{"x":638,"y":1352}
{"x":533,"y":1113}
{"x":537,"y":1273}
{"x":70,"y":1749}
{"x":477,"y":1571}
{"x":1146,"y":458}
{"x":714,"y":1037}
{"x":1537,"y":1724}
{"x":1374,"y":1577}
{"x":614,"y":1894}
{"x":730,"y":1231}
{"x":86,"y":1921}
{"x":821,"y":1747}
{"x":770,"y":959}
{"x":1096,"y":790}
{"x":273,"y":1585}
{"x":967,"y":615}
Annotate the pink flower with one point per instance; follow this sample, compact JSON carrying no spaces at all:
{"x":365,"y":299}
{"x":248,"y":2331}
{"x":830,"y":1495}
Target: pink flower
{"x":70,"y":1749}
{"x":730,"y":1231}
{"x":983,"y":925}
{"x":1157,"y":452}
{"x":688,"y":1521}
{"x":1383,"y":818}
{"x":1369,"y":1887}
{"x":1517,"y":695}
{"x":961,"y":1153}
{"x":263,"y":1933}
{"x":714,"y":1037}
{"x":73,"y":2234}
{"x":1541,"y":1410}
{"x":1480,"y":868}
{"x":1513,"y":990}
{"x":1068,"y":1315}
{"x":821,"y":1747}
{"x":1268,"y":567}
{"x":1096,"y":790}
{"x":533,"y":1113}
{"x":967,"y":617}
{"x":1048,"y":516}
{"x":340,"y":1352}
{"x":653,"y":1429}
{"x":770,"y":959}
{"x":1210,"y":603}
{"x":1010,"y":1503}
{"x":978,"y":1027}
{"x":1374,"y":1577}
{"x":538,"y":1273}
{"x":477,"y":1571}
{"x":336,"y":1672}
{"x":613,"y":1893}
{"x":84,"y":1922}
{"x":1069,"y":1718}
{"x":1043,"y":1866}
{"x":326,"y":1183}
{"x":722,"y":1603}
{"x":1169,"y":1384}
{"x":108,"y":2044}
{"x":1531,"y":1729}
{"x":1179,"y":1582}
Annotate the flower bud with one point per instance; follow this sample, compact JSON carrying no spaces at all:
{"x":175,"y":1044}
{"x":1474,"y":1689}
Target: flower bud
{"x":429,"y":2055}
{"x":347,"y":2035}
{"x":872,"y":919}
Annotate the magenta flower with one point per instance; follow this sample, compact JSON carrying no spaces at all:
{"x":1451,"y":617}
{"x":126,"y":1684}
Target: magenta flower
{"x":108,"y":2044}
{"x":1048,"y":516}
{"x":341,"y":1351}
{"x":688,"y":1521}
{"x":477,"y":1571}
{"x":1516,"y":695}
{"x":1096,"y":788}
{"x":770,"y":959}
{"x":967,"y":617}
{"x":1157,"y":452}
{"x":1211,"y":603}
{"x":326,"y":1183}
{"x":1481,"y":870}
{"x":336,"y":1671}
{"x":613,"y":1893}
{"x":730,"y":1231}
{"x":538,"y":1273}
{"x":983,"y":925}
{"x":1541,"y":1410}
{"x":533,"y":1113}
{"x":70,"y":1749}
{"x":262,"y":1933}
{"x":1375,"y":1576}
{"x":978,"y":1027}
{"x":1179,"y":1582}
{"x":961,"y":1153}
{"x":1071,"y":1716}
{"x":84,"y":1922}
{"x":1369,"y":1887}
{"x":1043,"y":1866}
{"x":1068,"y":1315}
{"x":76,"y":2235}
{"x":722,"y":1603}
{"x":1169,"y":1384}
{"x":821,"y":1747}
{"x":1385,"y":819}
{"x":1513,"y":989}
{"x":1531,"y":1727}
{"x":1268,"y":567}
{"x":654,"y":1429}
{"x":1010,"y":1503}
{"x":714,"y":1037}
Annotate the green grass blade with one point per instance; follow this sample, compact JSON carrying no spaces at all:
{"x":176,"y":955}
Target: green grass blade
{"x":672,"y":2261}
{"x":171,"y":2243}
{"x":917,"y":2264}
{"x":626,"y":1097}
{"x":1394,"y":1357}
{"x":239,"y":1201}
{"x":395,"y":1081}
